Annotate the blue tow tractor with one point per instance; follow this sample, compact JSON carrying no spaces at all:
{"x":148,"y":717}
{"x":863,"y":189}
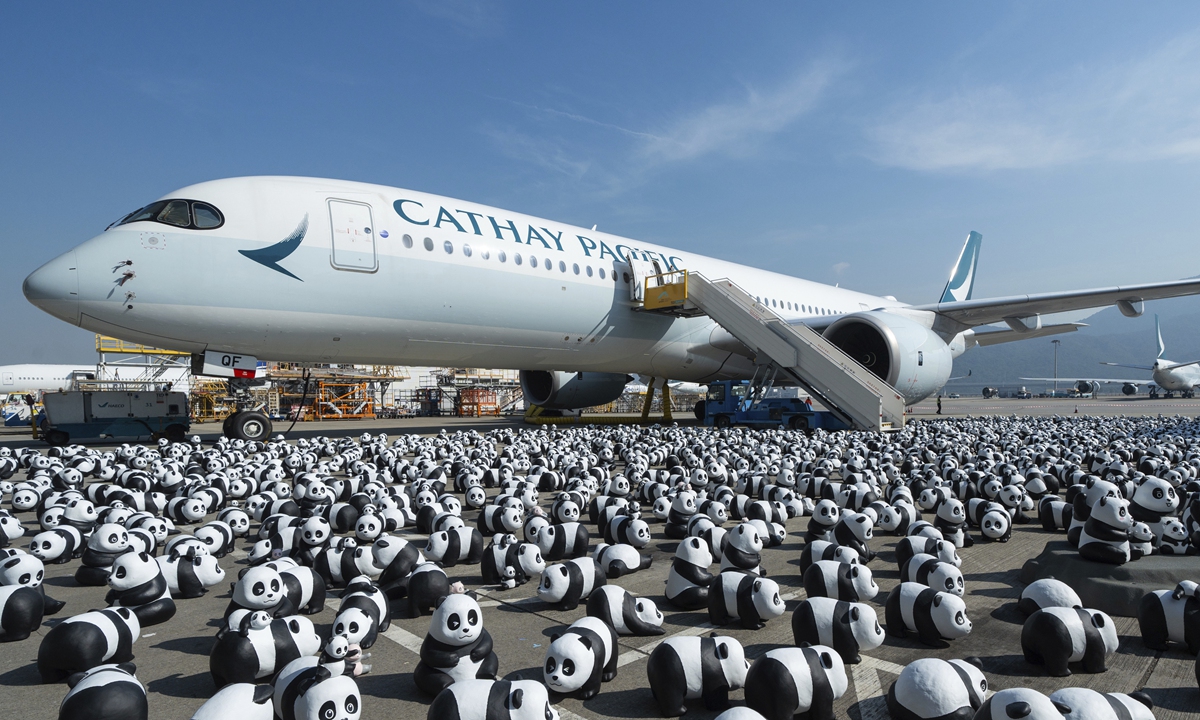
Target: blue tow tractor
{"x":731,"y":402}
{"x":91,"y":415}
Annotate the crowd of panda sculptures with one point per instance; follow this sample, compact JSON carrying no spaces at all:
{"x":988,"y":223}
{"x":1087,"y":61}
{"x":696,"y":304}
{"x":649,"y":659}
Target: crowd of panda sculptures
{"x":369,"y":524}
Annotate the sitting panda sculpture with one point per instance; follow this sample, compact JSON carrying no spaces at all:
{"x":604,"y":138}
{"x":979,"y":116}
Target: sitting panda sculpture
{"x":138,"y":583}
{"x":307,"y":689}
{"x":456,"y":648}
{"x":689,"y":578}
{"x":1104,"y":537}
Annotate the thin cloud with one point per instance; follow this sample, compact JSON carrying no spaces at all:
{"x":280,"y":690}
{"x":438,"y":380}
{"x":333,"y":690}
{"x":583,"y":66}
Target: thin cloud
{"x":474,"y":17}
{"x":840,"y":269}
{"x":1144,"y":109}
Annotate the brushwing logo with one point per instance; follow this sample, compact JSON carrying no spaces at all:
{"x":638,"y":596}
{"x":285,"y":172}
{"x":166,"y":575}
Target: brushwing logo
{"x":272,"y":254}
{"x":962,"y":279}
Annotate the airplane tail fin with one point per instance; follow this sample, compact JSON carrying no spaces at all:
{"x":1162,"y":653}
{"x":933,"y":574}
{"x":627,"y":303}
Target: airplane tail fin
{"x":962,"y":278}
{"x":1162,"y":348}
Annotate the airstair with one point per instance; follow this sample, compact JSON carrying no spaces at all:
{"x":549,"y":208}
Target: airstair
{"x":839,"y":382}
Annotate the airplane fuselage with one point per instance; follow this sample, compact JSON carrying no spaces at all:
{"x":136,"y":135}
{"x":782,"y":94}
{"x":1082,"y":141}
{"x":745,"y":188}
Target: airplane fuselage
{"x":1180,"y":379}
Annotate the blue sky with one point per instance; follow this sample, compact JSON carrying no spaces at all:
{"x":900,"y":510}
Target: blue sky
{"x":853,"y":143}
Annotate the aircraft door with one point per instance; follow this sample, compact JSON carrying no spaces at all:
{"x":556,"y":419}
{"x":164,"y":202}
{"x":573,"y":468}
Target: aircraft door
{"x":7,"y":378}
{"x":353,"y":236}
{"x":642,"y":269}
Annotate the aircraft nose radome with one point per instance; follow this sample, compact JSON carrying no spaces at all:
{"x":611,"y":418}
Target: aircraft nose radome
{"x":54,"y":288}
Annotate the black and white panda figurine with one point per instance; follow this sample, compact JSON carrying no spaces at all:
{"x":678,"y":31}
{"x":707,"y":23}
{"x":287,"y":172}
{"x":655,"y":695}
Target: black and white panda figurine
{"x":342,"y":658}
{"x":217,"y":536}
{"x":105,"y":692}
{"x":742,"y":550}
{"x":1153,"y":500}
{"x":454,"y":546}
{"x":581,"y":658}
{"x":855,"y":530}
{"x":252,"y":646}
{"x":105,"y":544}
{"x":58,"y":544}
{"x":1141,"y":541}
{"x":1047,"y":593}
{"x":951,"y":518}
{"x":625,"y":613}
{"x":1055,"y":637}
{"x":363,"y":613}
{"x":456,"y":648}
{"x":1105,"y":536}
{"x":1054,"y":513}
{"x":290,"y":591}
{"x":307,"y":690}
{"x":928,"y":570}
{"x":493,"y":700}
{"x":343,"y":561}
{"x":1087,"y":704}
{"x":1167,"y":616}
{"x":24,"y":570}
{"x":996,"y":526}
{"x":508,"y":562}
{"x":689,"y":578}
{"x":745,"y":597}
{"x":627,"y":529}
{"x":934,"y":616}
{"x":847,"y":627}
{"x":396,"y":558}
{"x":563,"y":542}
{"x":841,"y":581}
{"x":620,"y":559}
{"x":244,"y":701}
{"x":565,"y":584}
{"x":915,"y":545}
{"x":84,"y":641}
{"x":824,"y":518}
{"x":421,"y":590}
{"x":138,"y":583}
{"x":1174,"y":539}
{"x":1020,"y":704}
{"x":824,"y":550}
{"x":932,"y":688}
{"x":495,"y":519}
{"x":691,"y":668}
{"x":191,"y":574}
{"x":788,"y":681}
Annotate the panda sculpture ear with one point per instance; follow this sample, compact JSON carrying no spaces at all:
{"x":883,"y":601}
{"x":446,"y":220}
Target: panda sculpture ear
{"x":723,"y":651}
{"x":977,"y":662}
{"x":13,"y":562}
{"x":518,"y":697}
{"x":1062,"y":707}
{"x":585,"y":641}
{"x":854,"y":614}
{"x":128,"y":667}
{"x":937,"y":600}
{"x":826,"y":660}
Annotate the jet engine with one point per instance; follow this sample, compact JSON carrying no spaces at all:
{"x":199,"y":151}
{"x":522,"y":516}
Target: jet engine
{"x":990,"y":392}
{"x":902,"y":352}
{"x":1086,"y":387}
{"x":1129,"y":389}
{"x":554,"y":390}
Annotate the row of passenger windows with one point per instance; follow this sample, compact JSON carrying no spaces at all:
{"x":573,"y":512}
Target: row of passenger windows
{"x":517,"y":259}
{"x":797,"y":307}
{"x":191,"y":214}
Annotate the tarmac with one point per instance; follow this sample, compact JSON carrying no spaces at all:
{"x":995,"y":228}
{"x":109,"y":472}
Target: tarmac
{"x":172,"y":658}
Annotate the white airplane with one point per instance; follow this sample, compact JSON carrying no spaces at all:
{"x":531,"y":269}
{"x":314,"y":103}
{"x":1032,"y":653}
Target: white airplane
{"x":21,"y":379}
{"x":312,"y":270}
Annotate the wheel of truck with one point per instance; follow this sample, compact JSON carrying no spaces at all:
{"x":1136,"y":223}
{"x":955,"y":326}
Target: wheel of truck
{"x":698,"y":410}
{"x":176,"y":433}
{"x":798,"y":422}
{"x":57,"y":438}
{"x":722,"y":421}
{"x":250,"y":426}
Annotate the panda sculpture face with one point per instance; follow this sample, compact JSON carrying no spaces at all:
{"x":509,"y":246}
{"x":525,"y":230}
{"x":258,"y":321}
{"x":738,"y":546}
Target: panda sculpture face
{"x":81,"y":511}
{"x":1113,"y":512}
{"x":259,"y":587}
{"x":109,"y":538}
{"x":995,"y":525}
{"x":315,"y":531}
{"x":745,"y":537}
{"x":132,"y":569}
{"x":569,"y":662}
{"x":22,"y":569}
{"x":457,"y":621}
{"x":1174,"y":531}
{"x":949,"y":614}
{"x":947,"y":578}
{"x":353,"y":624}
{"x":827,"y":513}
{"x":476,"y":497}
{"x":48,"y":546}
{"x":1156,"y":495}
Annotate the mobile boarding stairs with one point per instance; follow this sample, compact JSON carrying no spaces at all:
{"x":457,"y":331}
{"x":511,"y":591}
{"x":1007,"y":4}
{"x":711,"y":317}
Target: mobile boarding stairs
{"x":797,"y":352}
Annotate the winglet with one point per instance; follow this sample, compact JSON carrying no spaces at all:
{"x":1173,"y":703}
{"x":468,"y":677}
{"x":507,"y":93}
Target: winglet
{"x":962,"y":278}
{"x":1162,"y":348}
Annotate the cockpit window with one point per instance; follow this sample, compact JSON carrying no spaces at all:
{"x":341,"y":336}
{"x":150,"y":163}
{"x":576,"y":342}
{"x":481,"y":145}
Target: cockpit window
{"x":190,"y":214}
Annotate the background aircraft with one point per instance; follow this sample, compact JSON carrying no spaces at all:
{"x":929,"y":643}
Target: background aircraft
{"x":16,"y":379}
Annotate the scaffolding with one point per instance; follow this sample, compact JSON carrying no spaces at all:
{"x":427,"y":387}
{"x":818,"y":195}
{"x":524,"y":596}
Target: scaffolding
{"x":138,"y":365}
{"x":210,"y":400}
{"x":343,"y":400}
{"x":477,"y":402}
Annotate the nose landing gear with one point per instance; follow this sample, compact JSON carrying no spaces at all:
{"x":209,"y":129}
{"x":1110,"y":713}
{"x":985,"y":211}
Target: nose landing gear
{"x":247,"y":425}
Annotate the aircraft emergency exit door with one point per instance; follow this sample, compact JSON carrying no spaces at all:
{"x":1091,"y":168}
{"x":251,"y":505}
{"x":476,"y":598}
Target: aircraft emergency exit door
{"x":353,"y":236}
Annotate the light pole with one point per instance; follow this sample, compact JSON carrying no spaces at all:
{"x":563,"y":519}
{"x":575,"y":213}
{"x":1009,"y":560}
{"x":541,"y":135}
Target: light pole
{"x":1056,"y":342}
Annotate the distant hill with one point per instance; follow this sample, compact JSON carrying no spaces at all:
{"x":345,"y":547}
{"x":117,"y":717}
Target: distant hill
{"x":1109,"y":337}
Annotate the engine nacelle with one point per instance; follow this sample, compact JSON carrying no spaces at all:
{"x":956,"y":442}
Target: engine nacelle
{"x":1086,"y":387}
{"x":1129,"y":389}
{"x":902,"y":352}
{"x":990,"y":392}
{"x":555,"y":390}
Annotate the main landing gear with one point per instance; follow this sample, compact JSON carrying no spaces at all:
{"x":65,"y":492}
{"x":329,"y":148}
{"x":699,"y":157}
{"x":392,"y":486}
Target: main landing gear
{"x":247,"y":425}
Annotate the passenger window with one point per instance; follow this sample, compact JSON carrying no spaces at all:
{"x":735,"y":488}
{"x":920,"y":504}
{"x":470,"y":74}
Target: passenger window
{"x":601,"y":273}
{"x":516,"y":258}
{"x":408,"y":241}
{"x":485,"y":254}
{"x":501,"y":256}
{"x":589,"y":271}
{"x":448,"y":247}
{"x":575,"y":267}
{"x":176,"y":213}
{"x":466,"y":250}
{"x":532,"y":261}
{"x":206,"y":216}
{"x":429,"y":244}
{"x":549,"y":264}
{"x":562,"y":267}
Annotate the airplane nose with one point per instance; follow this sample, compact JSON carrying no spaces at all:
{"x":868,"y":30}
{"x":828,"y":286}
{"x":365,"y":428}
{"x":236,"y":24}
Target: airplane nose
{"x":54,"y":288}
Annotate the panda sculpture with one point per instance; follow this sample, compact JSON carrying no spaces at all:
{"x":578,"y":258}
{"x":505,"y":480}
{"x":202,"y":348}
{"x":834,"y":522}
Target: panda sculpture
{"x":509,"y":563}
{"x":421,"y":590}
{"x":1088,"y":704}
{"x":565,"y":584}
{"x":1105,"y":535}
{"x":138,"y":583}
{"x":855,"y":530}
{"x":625,"y":613}
{"x":932,"y":688}
{"x":934,"y":616}
{"x":395,"y":558}
{"x":105,"y":692}
{"x":254,"y":646}
{"x":1141,"y":541}
{"x":620,"y":559}
{"x":24,"y":570}
{"x":456,"y":648}
{"x":1055,"y":637}
{"x":841,"y":581}
{"x":689,"y":578}
{"x":847,"y":627}
{"x":581,"y":658}
{"x":916,"y":545}
{"x":307,"y":690}
{"x":495,"y":519}
{"x":682,"y":507}
{"x":363,"y":613}
{"x":58,"y":545}
{"x":928,"y":570}
{"x":1047,"y":593}
{"x":1054,"y":513}
{"x":244,"y":701}
{"x":1174,"y":539}
{"x":493,"y":700}
{"x":823,"y":550}
{"x":1020,"y":704}
{"x":1171,"y":616}
{"x":21,"y":611}
{"x":743,"y":550}
{"x":191,"y":574}
{"x":454,"y":546}
{"x":564,"y":542}
{"x":824,"y":519}
{"x":218,"y":536}
{"x":290,"y":591}
{"x":85,"y":641}
{"x":106,"y":543}
{"x":792,"y":681}
{"x":1153,"y":500}
{"x":628,"y":530}
{"x":996,"y":526}
{"x":748,"y":598}
{"x":691,"y":668}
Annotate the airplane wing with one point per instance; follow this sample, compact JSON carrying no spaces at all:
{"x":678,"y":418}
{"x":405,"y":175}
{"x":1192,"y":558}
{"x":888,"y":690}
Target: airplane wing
{"x":971,"y":313}
{"x":1126,"y":365}
{"x":995,"y":337}
{"x":1105,"y":381}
